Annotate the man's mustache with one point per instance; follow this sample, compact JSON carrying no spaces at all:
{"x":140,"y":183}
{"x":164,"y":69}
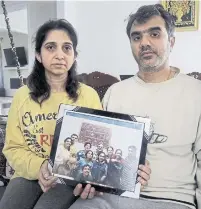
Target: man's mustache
{"x":146,"y":49}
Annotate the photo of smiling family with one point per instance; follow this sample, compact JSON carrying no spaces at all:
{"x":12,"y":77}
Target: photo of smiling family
{"x":98,"y":150}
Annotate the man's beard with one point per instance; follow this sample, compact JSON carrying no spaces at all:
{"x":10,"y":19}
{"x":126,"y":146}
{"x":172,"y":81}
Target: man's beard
{"x":153,"y":66}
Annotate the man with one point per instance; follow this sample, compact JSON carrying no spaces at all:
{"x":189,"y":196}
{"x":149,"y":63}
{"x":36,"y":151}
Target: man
{"x":74,"y":138}
{"x":129,"y":170}
{"x":98,"y":150}
{"x":172,"y":100}
{"x":85,"y":175}
{"x":81,"y":153}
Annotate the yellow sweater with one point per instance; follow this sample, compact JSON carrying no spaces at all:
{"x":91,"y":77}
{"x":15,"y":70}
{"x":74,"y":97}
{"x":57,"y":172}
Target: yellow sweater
{"x":30,"y":128}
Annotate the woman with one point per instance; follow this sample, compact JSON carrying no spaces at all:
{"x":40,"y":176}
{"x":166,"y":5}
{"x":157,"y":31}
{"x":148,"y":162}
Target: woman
{"x":32,"y":119}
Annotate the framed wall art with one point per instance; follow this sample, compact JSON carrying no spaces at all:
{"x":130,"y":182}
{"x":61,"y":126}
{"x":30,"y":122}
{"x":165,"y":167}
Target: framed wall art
{"x":185,"y":12}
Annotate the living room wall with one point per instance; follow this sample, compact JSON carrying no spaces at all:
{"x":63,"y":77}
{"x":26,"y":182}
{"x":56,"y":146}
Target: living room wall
{"x":101,"y":26}
{"x":18,"y":20}
{"x":104,"y":45}
{"x":21,"y":40}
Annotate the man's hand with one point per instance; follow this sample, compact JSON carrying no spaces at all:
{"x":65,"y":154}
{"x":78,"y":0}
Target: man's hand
{"x":88,"y":192}
{"x":46,"y":180}
{"x":144,"y":174}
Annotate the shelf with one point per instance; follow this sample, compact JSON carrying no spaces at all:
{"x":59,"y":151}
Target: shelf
{"x":15,"y":68}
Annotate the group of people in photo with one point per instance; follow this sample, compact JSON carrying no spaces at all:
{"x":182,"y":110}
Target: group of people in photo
{"x":99,"y":164}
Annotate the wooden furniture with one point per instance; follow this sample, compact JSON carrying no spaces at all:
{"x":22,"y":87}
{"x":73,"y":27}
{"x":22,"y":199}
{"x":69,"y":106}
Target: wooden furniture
{"x":196,"y":75}
{"x":99,"y":81}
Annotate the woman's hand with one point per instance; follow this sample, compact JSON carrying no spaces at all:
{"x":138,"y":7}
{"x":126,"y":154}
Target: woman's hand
{"x":144,"y":174}
{"x":46,"y":180}
{"x":88,"y":192}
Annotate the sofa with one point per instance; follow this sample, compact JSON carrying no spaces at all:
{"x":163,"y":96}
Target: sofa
{"x":97,"y":80}
{"x":2,"y":189}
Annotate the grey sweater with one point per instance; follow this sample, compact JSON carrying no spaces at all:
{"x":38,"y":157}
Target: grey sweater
{"x":174,"y":151}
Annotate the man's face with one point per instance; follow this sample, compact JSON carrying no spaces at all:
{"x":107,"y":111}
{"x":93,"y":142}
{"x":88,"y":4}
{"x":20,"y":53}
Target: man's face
{"x":151,"y":44}
{"x":74,"y":138}
{"x":87,"y":147}
{"x":100,"y":147}
{"x":86,"y":171}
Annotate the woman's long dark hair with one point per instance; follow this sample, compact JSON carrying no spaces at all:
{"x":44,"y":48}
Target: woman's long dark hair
{"x":36,"y":82}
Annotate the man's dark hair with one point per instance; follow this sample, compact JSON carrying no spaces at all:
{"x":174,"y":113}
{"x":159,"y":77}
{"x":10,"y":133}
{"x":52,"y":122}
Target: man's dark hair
{"x":86,"y":165}
{"x":85,"y":144}
{"x":146,"y":12}
{"x":74,"y":135}
{"x":68,"y":138}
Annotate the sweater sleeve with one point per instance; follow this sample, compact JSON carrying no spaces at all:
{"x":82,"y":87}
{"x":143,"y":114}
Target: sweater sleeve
{"x":106,"y":98}
{"x":197,"y":150}
{"x":25,"y":162}
{"x":96,"y":103}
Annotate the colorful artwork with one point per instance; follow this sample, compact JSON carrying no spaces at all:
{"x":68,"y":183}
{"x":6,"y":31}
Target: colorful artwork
{"x":185,"y":12}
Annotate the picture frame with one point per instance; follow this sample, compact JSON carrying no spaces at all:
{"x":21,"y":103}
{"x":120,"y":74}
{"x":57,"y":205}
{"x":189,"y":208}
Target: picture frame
{"x":185,"y":12}
{"x":128,"y":135}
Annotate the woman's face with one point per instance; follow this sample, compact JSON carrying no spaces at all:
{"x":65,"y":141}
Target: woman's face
{"x":57,"y":53}
{"x":110,"y":151}
{"x":101,"y":157}
{"x":89,"y":155}
{"x":118,"y":154}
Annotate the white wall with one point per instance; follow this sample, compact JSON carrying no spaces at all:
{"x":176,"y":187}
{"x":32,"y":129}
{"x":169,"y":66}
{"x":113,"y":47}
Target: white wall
{"x":17,"y":13}
{"x":103,"y":43}
{"x":38,"y":13}
{"x":187,"y":50}
{"x":17,"y":20}
{"x":26,"y":17}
